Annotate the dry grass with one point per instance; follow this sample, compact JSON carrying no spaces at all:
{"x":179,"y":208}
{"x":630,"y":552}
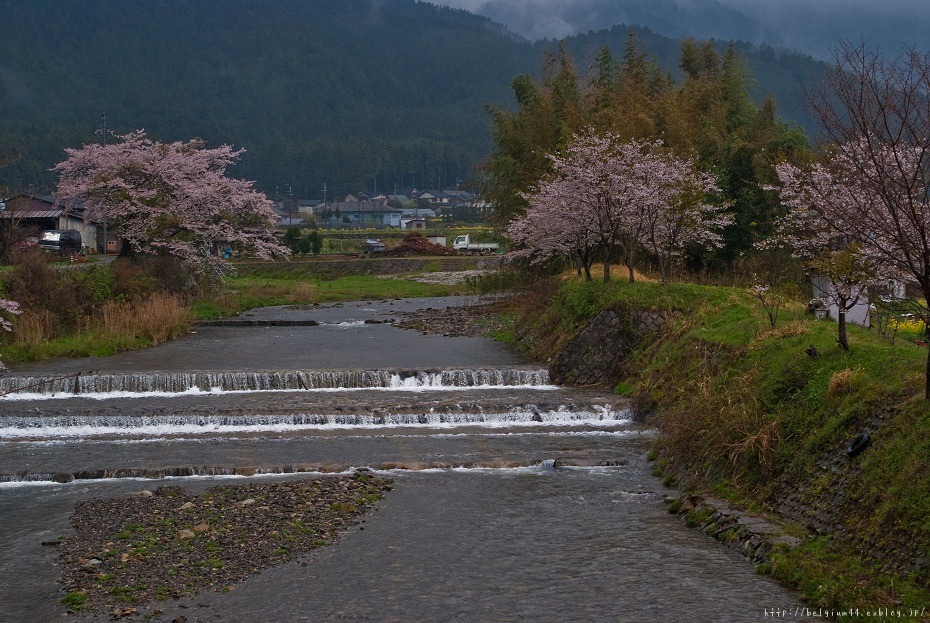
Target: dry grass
{"x":790,"y":329}
{"x":35,"y":326}
{"x":304,"y":291}
{"x":618,"y":272}
{"x":157,"y":318}
{"x":842,"y":383}
{"x":758,"y":442}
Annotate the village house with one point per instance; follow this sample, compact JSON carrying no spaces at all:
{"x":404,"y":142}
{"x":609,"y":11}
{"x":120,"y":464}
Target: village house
{"x":40,"y":213}
{"x":358,"y":212}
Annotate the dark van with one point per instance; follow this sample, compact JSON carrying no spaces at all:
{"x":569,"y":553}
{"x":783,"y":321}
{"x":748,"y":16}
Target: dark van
{"x":61,"y":241}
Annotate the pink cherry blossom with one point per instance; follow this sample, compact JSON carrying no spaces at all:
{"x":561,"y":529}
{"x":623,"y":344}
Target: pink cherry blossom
{"x":171,"y":199}
{"x":608,"y":198}
{"x":7,"y":307}
{"x":838,"y":222}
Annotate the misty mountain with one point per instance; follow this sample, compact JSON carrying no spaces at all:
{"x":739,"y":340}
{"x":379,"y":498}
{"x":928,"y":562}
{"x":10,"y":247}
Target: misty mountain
{"x":817,"y":28}
{"x":809,"y":27}
{"x":359,"y":95}
{"x":557,"y":19}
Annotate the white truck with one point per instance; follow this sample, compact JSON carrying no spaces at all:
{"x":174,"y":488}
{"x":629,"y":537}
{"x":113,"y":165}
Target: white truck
{"x":463,"y":244}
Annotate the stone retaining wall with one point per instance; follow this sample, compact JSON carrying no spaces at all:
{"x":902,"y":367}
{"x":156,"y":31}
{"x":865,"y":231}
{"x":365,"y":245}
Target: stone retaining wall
{"x":598,"y":355}
{"x":354,"y":265}
{"x":752,"y":535}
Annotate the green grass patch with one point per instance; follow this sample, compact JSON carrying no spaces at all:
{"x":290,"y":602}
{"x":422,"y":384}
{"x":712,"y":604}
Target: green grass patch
{"x":741,"y":406}
{"x":88,"y":344}
{"x":355,"y":287}
{"x":624,"y":389}
{"x":240,"y":293}
{"x":829,"y":576}
{"x":503,"y":336}
{"x":75,"y":600}
{"x":343,"y":507}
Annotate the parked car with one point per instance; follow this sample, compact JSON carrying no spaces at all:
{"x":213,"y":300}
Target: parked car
{"x":61,"y":241}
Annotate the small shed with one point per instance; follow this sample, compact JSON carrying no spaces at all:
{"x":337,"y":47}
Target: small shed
{"x":41,"y":212}
{"x":413,"y":223}
{"x":824,"y":291}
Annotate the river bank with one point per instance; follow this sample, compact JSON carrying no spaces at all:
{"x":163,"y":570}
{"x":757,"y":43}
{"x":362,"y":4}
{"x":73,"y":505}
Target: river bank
{"x":762,"y":418}
{"x":532,"y":503}
{"x":126,"y":554}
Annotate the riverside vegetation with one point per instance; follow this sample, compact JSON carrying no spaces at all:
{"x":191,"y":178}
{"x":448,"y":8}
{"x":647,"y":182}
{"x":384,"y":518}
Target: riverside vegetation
{"x":758,"y":415}
{"x":99,"y":309}
{"x":763,"y":416}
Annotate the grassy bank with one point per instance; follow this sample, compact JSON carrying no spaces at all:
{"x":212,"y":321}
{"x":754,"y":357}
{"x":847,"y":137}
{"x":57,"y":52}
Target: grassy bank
{"x":764,"y":416}
{"x":100,"y":310}
{"x":239,"y":293}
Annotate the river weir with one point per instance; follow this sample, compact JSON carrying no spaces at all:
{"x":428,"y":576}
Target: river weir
{"x":105,"y":385}
{"x":515,"y":499}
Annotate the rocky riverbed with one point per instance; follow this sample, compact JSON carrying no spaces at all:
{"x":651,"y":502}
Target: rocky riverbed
{"x":481,"y":320}
{"x":129,"y":554}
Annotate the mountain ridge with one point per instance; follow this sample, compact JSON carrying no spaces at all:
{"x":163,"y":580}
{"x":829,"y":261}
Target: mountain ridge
{"x":358,"y":96}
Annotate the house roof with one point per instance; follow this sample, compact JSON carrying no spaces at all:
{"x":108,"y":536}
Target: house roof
{"x":31,"y":213}
{"x":39,"y":207}
{"x":418,"y":212}
{"x":360,"y":206}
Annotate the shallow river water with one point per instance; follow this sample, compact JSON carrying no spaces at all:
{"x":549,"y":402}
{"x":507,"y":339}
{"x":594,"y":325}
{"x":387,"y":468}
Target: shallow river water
{"x":480,"y":527}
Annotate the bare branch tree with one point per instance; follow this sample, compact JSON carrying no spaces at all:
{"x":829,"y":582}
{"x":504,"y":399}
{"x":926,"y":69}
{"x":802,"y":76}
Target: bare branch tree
{"x":877,"y":111}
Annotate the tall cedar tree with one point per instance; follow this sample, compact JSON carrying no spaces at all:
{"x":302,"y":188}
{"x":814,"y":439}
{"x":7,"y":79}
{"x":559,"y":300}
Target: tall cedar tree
{"x":710,"y":115}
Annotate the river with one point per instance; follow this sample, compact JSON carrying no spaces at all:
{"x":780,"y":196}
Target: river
{"x":482,"y":525}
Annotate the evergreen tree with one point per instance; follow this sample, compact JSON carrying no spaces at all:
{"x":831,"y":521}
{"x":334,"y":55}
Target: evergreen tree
{"x":710,"y":117}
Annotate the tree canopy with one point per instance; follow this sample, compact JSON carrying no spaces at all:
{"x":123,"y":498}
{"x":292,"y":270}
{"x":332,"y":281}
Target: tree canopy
{"x":708,"y":118}
{"x":169,"y":198}
{"x":607,"y":197}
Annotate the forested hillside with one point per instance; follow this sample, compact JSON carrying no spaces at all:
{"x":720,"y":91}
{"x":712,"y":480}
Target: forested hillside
{"x":776,"y":72}
{"x":358,"y":94}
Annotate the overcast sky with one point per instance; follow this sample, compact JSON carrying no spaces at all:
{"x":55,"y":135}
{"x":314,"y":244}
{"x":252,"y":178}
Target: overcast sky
{"x":811,"y":26}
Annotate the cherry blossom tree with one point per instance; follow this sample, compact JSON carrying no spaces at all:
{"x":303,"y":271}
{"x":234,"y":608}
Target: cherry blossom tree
{"x":556,"y":225}
{"x":169,"y":199}
{"x":820,"y":202}
{"x":877,"y":113}
{"x":607,"y":197}
{"x":678,"y":213}
{"x":7,"y":308}
{"x":572,"y":212}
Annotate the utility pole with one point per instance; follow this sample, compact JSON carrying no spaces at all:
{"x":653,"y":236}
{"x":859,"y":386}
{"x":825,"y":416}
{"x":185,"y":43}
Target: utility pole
{"x":103,"y":131}
{"x":290,"y":204}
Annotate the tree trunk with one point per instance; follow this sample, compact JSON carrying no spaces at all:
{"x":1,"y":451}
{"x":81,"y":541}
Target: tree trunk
{"x":629,"y":268}
{"x":841,"y":321}
{"x":126,"y":250}
{"x":606,"y":271}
